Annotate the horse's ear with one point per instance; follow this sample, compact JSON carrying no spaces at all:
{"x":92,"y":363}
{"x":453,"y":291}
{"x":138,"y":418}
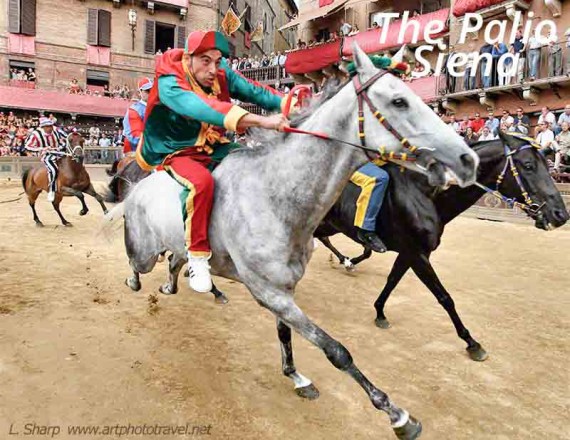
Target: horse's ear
{"x":362,"y":62}
{"x":399,"y":56}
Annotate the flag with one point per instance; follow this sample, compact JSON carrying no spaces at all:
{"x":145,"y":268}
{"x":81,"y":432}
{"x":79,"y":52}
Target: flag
{"x":231,"y":22}
{"x":257,"y":34}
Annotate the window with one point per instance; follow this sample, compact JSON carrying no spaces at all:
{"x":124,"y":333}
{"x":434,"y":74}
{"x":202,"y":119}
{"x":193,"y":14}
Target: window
{"x":22,"y":17}
{"x":98,"y":27}
{"x":162,"y":36}
{"x":97,"y":78}
{"x":22,"y":71}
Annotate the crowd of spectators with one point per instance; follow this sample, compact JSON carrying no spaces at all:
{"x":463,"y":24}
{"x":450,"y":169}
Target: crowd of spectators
{"x":551,"y":133}
{"x":22,"y":74}
{"x":118,"y":92}
{"x":256,"y":62}
{"x":548,"y":50}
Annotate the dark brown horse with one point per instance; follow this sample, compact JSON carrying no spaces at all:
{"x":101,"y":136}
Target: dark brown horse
{"x":72,"y":180}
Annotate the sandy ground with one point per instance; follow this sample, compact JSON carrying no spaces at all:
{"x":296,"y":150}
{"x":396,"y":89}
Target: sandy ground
{"x":78,"y":348}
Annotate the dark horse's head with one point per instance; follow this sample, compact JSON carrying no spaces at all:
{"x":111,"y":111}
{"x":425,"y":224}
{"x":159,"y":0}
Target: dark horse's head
{"x":75,"y":144}
{"x":544,"y":202}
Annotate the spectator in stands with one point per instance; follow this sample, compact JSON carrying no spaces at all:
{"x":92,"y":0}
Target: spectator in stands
{"x":477,"y":123}
{"x":282,"y":59}
{"x":375,"y":25}
{"x":106,"y":91}
{"x":469,"y":80}
{"x":13,"y":73}
{"x":345,"y":28}
{"x":118,"y":138}
{"x":104,"y":144}
{"x":507,"y":118}
{"x":265,"y":61}
{"x":463,"y":124}
{"x":545,"y":137}
{"x":486,"y":134}
{"x":354,"y":31}
{"x":567,"y":35}
{"x":31,"y":75}
{"x":274,"y":59}
{"x":562,"y":146}
{"x":74,"y":87}
{"x":519,"y":48}
{"x":565,"y":116}
{"x":554,"y":55}
{"x":94,"y":134}
{"x":248,"y":63}
{"x":470,"y":137}
{"x":499,"y":49}
{"x":547,"y":116}
{"x":492,"y":123}
{"x":241,"y":64}
{"x":534,"y":48}
{"x":235,"y":63}
{"x":453,"y":123}
{"x":522,"y":121}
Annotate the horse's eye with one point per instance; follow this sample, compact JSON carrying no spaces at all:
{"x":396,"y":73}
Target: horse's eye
{"x":400,"y":103}
{"x":528,"y":166}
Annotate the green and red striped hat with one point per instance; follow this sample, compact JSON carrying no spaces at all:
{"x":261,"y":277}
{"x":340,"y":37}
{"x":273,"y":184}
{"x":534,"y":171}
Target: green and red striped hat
{"x":200,"y":41}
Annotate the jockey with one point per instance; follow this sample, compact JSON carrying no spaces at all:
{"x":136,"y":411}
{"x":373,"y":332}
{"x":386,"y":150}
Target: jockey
{"x":371,"y":178}
{"x":189,"y":109}
{"x":48,"y":142}
{"x":133,"y":122}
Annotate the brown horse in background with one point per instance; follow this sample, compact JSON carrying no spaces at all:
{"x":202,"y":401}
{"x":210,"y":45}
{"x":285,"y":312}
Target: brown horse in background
{"x":72,"y":180}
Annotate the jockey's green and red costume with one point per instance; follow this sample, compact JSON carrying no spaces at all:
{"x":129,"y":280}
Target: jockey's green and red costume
{"x":185,"y":125}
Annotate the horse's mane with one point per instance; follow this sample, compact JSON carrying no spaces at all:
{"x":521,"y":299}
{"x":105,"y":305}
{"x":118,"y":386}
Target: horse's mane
{"x":259,"y":139}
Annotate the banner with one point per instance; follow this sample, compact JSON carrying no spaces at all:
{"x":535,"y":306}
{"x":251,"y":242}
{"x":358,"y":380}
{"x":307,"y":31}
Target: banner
{"x":257,"y":34}
{"x":231,"y":22}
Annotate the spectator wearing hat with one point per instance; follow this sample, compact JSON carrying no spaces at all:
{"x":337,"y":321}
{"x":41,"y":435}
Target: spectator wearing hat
{"x":133,"y":122}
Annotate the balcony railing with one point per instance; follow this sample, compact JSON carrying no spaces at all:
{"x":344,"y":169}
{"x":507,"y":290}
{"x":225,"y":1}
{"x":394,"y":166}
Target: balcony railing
{"x":269,"y":75}
{"x":102,"y":155}
{"x":23,"y":84}
{"x":448,"y":84}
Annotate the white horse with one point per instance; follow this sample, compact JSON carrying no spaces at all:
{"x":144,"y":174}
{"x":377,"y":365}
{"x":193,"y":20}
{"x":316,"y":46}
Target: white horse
{"x":270,"y":199}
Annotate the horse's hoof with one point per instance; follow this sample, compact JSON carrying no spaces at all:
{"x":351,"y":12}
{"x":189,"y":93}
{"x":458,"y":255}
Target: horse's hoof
{"x":382,"y":323}
{"x":133,"y":284}
{"x":410,"y":431}
{"x":105,"y":211}
{"x":67,"y":224}
{"x":83,"y":212}
{"x":477,"y":353}
{"x":167,"y":289}
{"x":186,"y":273}
{"x":161,"y":258}
{"x":221,"y":299}
{"x":348,"y":265}
{"x":39,"y":224}
{"x":309,"y":392}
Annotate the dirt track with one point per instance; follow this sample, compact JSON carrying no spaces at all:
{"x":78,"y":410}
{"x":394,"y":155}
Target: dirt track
{"x":77,"y":347}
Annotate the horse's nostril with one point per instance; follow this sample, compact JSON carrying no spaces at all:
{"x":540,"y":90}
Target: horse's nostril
{"x":560,"y":215}
{"x":467,"y":160}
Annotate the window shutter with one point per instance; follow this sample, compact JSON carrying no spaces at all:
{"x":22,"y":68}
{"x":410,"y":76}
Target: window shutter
{"x":92,"y":26}
{"x":29,"y":17}
{"x":104,"y":28}
{"x":180,"y":37}
{"x":149,"y":34}
{"x":14,"y":16}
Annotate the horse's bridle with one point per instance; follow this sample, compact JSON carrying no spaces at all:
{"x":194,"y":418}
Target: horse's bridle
{"x":531,"y":208}
{"x":362,"y":96}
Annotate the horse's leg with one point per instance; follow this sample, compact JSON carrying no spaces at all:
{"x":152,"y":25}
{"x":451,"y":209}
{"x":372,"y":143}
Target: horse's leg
{"x":32,"y":202}
{"x":425,"y":272}
{"x":345,"y":261}
{"x":365,"y":256}
{"x":91,"y":191}
{"x":55,"y":204}
{"x":281,"y":303}
{"x":134,"y":282}
{"x":174,"y":266}
{"x":79,"y":195}
{"x":219,"y":296}
{"x":399,"y":269}
{"x":303,"y":386}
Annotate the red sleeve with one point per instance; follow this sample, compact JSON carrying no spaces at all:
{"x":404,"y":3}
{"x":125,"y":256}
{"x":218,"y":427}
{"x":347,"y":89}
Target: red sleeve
{"x":136,"y":124}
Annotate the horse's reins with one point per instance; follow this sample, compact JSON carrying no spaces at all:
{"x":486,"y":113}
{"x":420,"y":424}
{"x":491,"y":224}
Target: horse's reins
{"x":362,"y":96}
{"x":530,"y":207}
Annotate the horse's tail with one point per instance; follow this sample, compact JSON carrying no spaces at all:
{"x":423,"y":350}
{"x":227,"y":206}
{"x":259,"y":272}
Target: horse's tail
{"x":115,"y":214}
{"x":109,"y":227}
{"x":25,"y":178}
